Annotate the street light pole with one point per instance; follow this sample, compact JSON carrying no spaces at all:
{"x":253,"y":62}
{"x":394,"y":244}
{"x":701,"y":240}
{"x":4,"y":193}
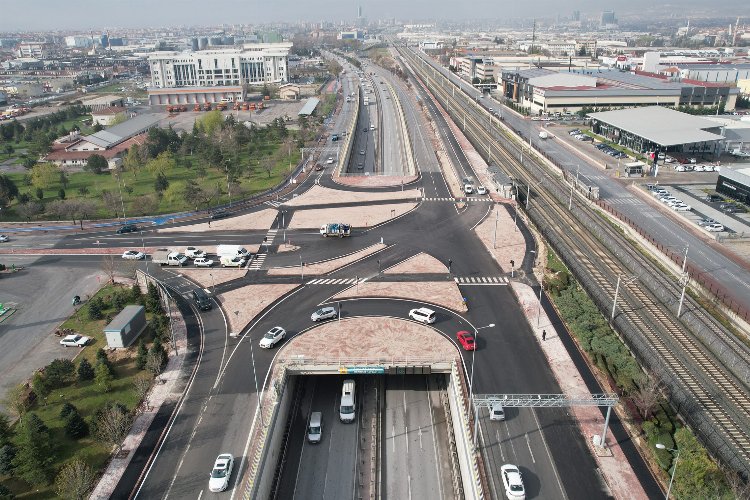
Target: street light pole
{"x":259,"y":395}
{"x":617,"y":290}
{"x":674,"y":467}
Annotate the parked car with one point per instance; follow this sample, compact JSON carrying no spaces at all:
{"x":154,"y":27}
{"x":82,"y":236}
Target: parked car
{"x":4,"y":238}
{"x":221,"y":473}
{"x":219,"y":214}
{"x":714,"y":227}
{"x":127,"y":228}
{"x":133,"y":255}
{"x":323,"y":313}
{"x":272,"y":337}
{"x":194,"y":253}
{"x":512,"y":482}
{"x":203,"y":262}
{"x":682,"y":207}
{"x":706,"y":222}
{"x":466,"y":339}
{"x":75,"y":340}
{"x":481,"y":190}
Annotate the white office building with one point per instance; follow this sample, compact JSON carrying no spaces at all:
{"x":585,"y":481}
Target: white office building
{"x":253,"y":64}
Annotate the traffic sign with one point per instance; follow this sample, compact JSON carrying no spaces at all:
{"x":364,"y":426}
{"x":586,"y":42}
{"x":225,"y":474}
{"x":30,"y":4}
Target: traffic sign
{"x":369,"y":370}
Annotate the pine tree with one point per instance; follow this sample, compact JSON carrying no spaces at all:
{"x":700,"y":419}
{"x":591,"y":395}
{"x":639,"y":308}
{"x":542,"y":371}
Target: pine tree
{"x":135,"y":293}
{"x":103,"y":377}
{"x":35,"y":455}
{"x":85,"y":370}
{"x":95,"y":309}
{"x":141,"y":356}
{"x":75,"y":426}
{"x":67,"y":409}
{"x":7,"y":454}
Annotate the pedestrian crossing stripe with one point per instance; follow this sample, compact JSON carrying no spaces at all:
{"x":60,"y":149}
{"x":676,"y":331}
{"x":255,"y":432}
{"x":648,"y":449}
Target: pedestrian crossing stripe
{"x":257,"y":262}
{"x":274,"y":204}
{"x":334,"y":281}
{"x":479,"y":280}
{"x":455,"y":200}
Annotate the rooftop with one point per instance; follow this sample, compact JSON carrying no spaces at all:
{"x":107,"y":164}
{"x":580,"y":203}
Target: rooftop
{"x":105,"y":99}
{"x":660,"y":125}
{"x":123,"y":131}
{"x":309,"y":106}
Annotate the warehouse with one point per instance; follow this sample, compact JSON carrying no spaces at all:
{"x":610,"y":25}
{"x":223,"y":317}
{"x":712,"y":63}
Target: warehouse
{"x":735,"y":183}
{"x":655,"y":128}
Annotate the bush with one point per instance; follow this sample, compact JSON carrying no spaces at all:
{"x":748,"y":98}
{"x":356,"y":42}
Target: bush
{"x":67,"y":409}
{"x":101,"y":357}
{"x":118,"y":301}
{"x":5,"y":493}
{"x":142,"y":355}
{"x":7,"y":454}
{"x":135,"y":293}
{"x":85,"y":370}
{"x":40,"y":385}
{"x":59,"y":372}
{"x":95,"y":307}
{"x":75,"y":426}
{"x":103,"y":377}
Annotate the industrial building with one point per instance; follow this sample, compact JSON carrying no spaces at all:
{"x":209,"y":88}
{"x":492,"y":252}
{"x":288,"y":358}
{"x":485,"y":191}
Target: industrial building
{"x":544,"y":90}
{"x":105,"y":101}
{"x":656,"y":128}
{"x":734,"y":183}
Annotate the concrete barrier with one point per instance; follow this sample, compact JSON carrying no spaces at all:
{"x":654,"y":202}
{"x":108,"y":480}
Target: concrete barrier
{"x":351,"y":128}
{"x":408,"y":153}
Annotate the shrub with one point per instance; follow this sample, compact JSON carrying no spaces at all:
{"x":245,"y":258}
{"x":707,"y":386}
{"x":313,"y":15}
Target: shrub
{"x":67,"y":409}
{"x":59,"y":372}
{"x":103,"y":377}
{"x":95,"y":307}
{"x":85,"y":370}
{"x":75,"y":426}
{"x":142,"y":355}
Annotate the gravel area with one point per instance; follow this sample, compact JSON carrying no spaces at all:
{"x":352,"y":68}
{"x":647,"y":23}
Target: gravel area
{"x":421,"y":263}
{"x":243,"y":304}
{"x":442,"y":293}
{"x":326,"y":266}
{"x":320,"y":195}
{"x":363,"y":216}
{"x":255,"y":220}
{"x":370,"y":337}
{"x":374,"y":180}
{"x":510,"y":244}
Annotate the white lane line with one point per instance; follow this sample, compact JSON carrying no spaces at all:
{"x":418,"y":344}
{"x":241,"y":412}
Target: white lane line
{"x":500,"y":444}
{"x":528,"y":443}
{"x":200,"y":495}
{"x":393,"y":436}
{"x":406,"y":435}
{"x":549,"y":455}
{"x":409,"y":479}
{"x":419,"y":433}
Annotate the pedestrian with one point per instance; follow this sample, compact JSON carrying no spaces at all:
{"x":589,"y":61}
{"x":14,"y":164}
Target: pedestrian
{"x":209,"y":222}
{"x":544,"y":334}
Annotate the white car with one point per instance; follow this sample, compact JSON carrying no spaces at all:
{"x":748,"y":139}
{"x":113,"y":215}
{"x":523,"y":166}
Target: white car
{"x":709,"y":168}
{"x":699,"y":168}
{"x":203,"y":262}
{"x":75,"y":340}
{"x":481,"y":190}
{"x":715,"y":227}
{"x":680,"y":168}
{"x":497,"y":412}
{"x":4,"y":238}
{"x":221,"y":473}
{"x":512,"y":482}
{"x":682,"y":207}
{"x":323,"y":313}
{"x":194,"y":253}
{"x":233,"y":261}
{"x":133,"y":255}
{"x":329,"y":161}
{"x":468,"y":188}
{"x":667,"y":199}
{"x":272,"y":337}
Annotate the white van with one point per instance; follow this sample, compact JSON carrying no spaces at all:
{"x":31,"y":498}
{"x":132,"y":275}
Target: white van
{"x":423,"y":315}
{"x":348,"y":402}
{"x":232,"y":251}
{"x":315,"y":427}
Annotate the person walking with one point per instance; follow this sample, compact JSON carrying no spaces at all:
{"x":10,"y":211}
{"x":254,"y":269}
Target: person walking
{"x":544,"y":335}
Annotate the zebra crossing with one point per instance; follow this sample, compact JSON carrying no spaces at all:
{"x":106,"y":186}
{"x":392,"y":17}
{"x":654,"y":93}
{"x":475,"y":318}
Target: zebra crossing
{"x":454,"y":200}
{"x":335,"y":281}
{"x":260,"y":257}
{"x":274,"y":204}
{"x":488,"y":280}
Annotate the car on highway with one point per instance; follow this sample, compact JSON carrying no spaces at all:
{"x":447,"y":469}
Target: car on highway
{"x":4,"y":238}
{"x":468,"y":188}
{"x":319,"y":167}
{"x":714,"y":227}
{"x":75,"y":340}
{"x":203,"y":262}
{"x":481,"y":190}
{"x":133,"y":255}
{"x":194,"y":252}
{"x":127,"y":228}
{"x":512,"y":482}
{"x":221,"y":472}
{"x":219,"y":214}
{"x":497,"y":412}
{"x":423,"y":315}
{"x":323,"y":313}
{"x":360,"y":165}
{"x":272,"y":337}
{"x":329,"y":161}
{"x":466,"y":339}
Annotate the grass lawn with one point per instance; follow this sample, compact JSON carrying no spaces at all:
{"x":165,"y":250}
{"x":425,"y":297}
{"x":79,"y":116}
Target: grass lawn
{"x":87,"y":397}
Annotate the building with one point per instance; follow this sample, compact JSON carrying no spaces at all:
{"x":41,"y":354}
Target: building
{"x":351,"y":35}
{"x":714,"y":73}
{"x":79,"y":42}
{"x":106,"y":116}
{"x":656,"y":128}
{"x":254,"y":64}
{"x":126,"y":327}
{"x":105,"y":101}
{"x":74,"y":150}
{"x":734,"y":183}
{"x":544,"y":90}
{"x":608,"y":19}
{"x":195,"y":95}
{"x":309,"y":107}
{"x":37,"y":50}
{"x":289,"y":91}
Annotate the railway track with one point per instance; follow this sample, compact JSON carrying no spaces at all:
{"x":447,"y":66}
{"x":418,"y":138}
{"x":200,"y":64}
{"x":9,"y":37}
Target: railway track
{"x":708,"y":394}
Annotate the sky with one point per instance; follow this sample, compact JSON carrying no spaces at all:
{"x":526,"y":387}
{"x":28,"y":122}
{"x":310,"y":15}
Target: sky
{"x":94,"y":15}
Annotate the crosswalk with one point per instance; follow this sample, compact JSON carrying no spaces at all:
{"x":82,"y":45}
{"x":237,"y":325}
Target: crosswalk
{"x":488,"y":280}
{"x":260,"y":257}
{"x":334,"y":281}
{"x":454,"y":200}
{"x":274,"y":204}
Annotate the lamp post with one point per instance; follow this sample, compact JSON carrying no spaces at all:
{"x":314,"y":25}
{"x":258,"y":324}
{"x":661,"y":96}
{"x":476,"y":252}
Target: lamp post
{"x":617,"y":290}
{"x":471,"y":378}
{"x":674,"y":467}
{"x":260,"y":395}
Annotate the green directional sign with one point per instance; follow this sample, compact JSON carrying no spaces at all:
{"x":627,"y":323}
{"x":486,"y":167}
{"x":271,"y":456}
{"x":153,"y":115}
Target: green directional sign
{"x":369,"y":370}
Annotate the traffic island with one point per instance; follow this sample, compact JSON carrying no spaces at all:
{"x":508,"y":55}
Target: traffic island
{"x":421,"y":263}
{"x":242,"y":305}
{"x":326,"y":266}
{"x":319,"y":195}
{"x":441,"y":293}
{"x":363,"y":216}
{"x":262,"y":219}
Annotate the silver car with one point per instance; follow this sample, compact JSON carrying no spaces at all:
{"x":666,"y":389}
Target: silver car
{"x":323,"y":314}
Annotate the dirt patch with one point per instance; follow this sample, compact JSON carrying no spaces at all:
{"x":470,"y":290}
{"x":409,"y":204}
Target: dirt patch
{"x":244,"y":304}
{"x":510,"y":244}
{"x":327,"y":266}
{"x":371,"y":337}
{"x":422,"y":263}
{"x":208,"y":278}
{"x":287,"y":248}
{"x":255,"y":220}
{"x":362,"y":216}
{"x":442,"y":293}
{"x":374,"y":181}
{"x":320,"y":195}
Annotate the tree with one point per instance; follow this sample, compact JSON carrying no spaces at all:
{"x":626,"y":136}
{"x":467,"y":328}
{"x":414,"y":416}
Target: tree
{"x":647,"y":397}
{"x":697,"y":476}
{"x":109,"y":267}
{"x":98,"y":127}
{"x":7,"y":454}
{"x":135,"y":293}
{"x":209,"y":122}
{"x":142,"y":355}
{"x":85,"y":370}
{"x":142,"y":384}
{"x":118,"y":119}
{"x":75,"y":480}
{"x":8,"y":149}
{"x":96,"y":164}
{"x":59,"y":372}
{"x":112,"y":424}
{"x":67,"y":409}
{"x":17,"y":400}
{"x":162,"y":164}
{"x":153,"y":299}
{"x":110,"y":200}
{"x":155,"y":360}
{"x":8,"y":190}
{"x":40,"y":384}
{"x":161,"y":183}
{"x":6,"y":432}
{"x":5,"y":493}
{"x":45,"y":175}
{"x":35,"y":455}
{"x":75,"y":426}
{"x":103,"y":377}
{"x":40,"y":193}
{"x":95,"y":309}
{"x":101,"y":357}
{"x":132,"y":161}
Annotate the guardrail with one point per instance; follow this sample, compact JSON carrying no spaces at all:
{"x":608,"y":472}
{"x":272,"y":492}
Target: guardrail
{"x":461,"y":418}
{"x":408,"y":152}
{"x":351,"y":129}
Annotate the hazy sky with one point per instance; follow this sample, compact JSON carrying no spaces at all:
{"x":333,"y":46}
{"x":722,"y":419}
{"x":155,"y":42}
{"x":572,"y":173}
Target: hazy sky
{"x":95,"y":14}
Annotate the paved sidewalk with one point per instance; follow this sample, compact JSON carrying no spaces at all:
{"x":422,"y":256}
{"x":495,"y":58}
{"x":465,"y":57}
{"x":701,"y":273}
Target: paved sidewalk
{"x":614,"y":465}
{"x":167,"y":391}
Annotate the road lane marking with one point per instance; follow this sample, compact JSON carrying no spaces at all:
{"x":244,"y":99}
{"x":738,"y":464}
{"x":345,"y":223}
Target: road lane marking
{"x":499,"y":444}
{"x":200,"y":495}
{"x":528,"y":443}
{"x":419,"y":433}
{"x":549,"y":455}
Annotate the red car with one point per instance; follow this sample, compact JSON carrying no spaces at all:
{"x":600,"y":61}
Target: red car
{"x":467,"y":340}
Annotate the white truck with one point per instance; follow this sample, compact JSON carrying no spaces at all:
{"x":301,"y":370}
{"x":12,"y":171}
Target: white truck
{"x":232,"y":251}
{"x":336,"y":229}
{"x":543,"y":134}
{"x":166,"y":257}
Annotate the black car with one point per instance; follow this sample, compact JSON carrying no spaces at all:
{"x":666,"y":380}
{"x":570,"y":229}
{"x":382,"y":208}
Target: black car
{"x":127,"y":228}
{"x":219,"y":214}
{"x":201,"y":300}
